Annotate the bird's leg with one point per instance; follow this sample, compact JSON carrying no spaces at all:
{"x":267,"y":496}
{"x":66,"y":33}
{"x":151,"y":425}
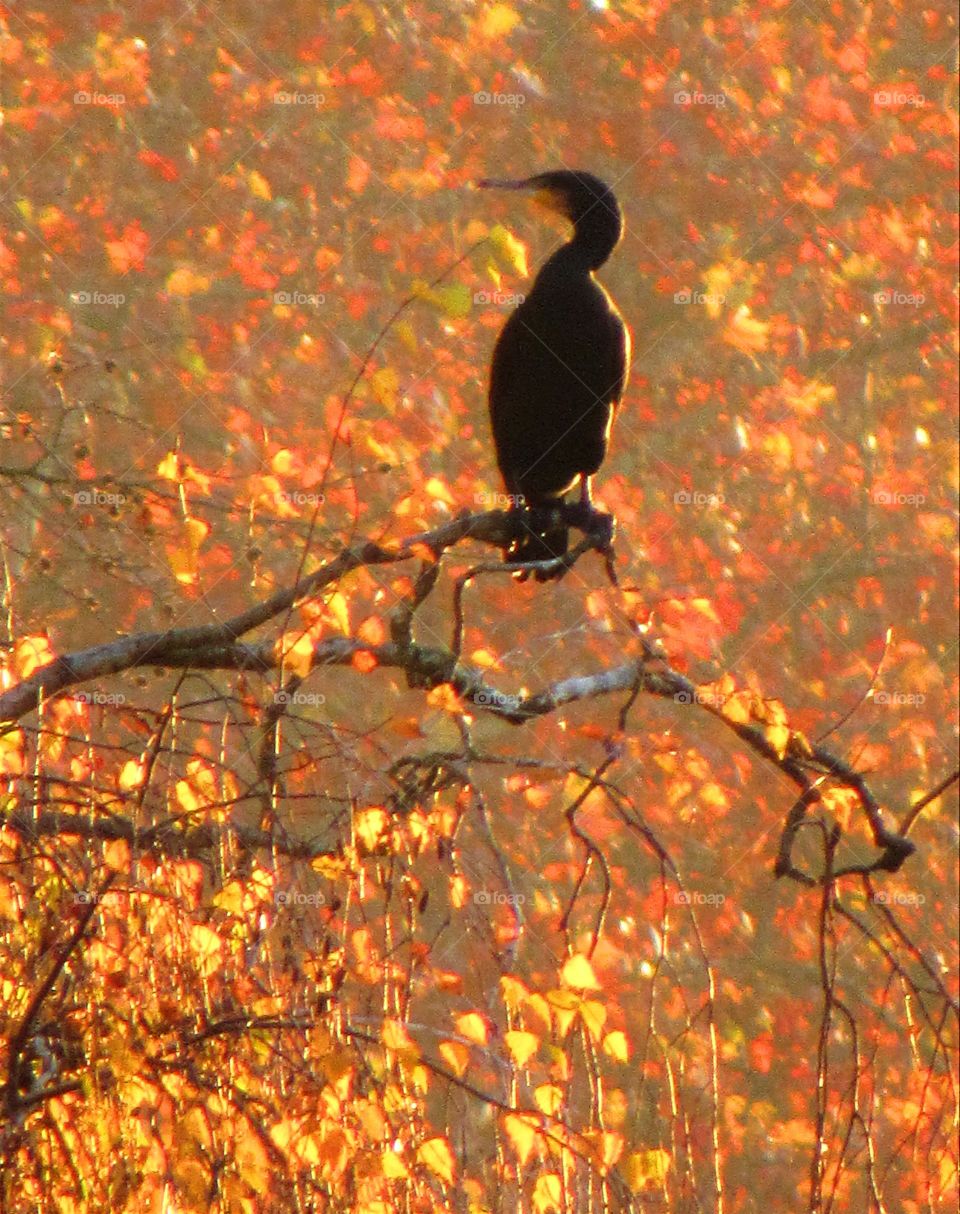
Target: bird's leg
{"x":585,"y":516}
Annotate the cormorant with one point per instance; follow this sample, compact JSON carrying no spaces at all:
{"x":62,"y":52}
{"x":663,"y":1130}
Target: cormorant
{"x":559,"y":370}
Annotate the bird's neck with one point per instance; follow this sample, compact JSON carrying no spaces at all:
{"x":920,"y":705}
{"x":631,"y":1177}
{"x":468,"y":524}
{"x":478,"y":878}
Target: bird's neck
{"x":598,"y":233}
{"x":571,"y":263}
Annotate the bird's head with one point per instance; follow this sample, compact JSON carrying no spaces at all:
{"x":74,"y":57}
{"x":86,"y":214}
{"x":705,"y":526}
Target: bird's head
{"x":582,"y":199}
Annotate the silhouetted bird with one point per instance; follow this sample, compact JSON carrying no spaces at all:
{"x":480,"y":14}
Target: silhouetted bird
{"x":559,"y":370}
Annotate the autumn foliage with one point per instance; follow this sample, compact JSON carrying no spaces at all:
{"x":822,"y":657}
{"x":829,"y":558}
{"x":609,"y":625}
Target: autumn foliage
{"x":338,"y":871}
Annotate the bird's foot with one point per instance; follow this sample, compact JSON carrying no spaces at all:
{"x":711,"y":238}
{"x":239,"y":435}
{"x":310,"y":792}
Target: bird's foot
{"x":594,"y":523}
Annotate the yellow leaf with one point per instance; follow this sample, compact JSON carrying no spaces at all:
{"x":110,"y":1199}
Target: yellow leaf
{"x":514,"y":992}
{"x":169,"y":467}
{"x":259,"y":186}
{"x":297,"y":657}
{"x":131,"y":775}
{"x":512,"y":253}
{"x":646,"y":1169}
{"x":185,"y":282}
{"x":407,"y":334}
{"x":393,"y":1166}
{"x":455,"y":300}
{"x":617,"y":1047}
{"x":745,"y":333}
{"x":208,"y":947}
{"x":338,"y":609}
{"x":548,"y":1194}
{"x":607,"y":1148}
{"x":522,"y":1133}
{"x":116,"y":855}
{"x":435,"y":1153}
{"x":185,"y":559}
{"x":395,"y":1037}
{"x":231,"y":898}
{"x":594,"y":1016}
{"x":473,"y":1026}
{"x":578,"y":972}
{"x":548,"y":1099}
{"x":779,"y":737}
{"x":522,"y":1045}
{"x":498,"y":21}
{"x":436,"y":489}
{"x":385,"y":384}
{"x":371,"y":825}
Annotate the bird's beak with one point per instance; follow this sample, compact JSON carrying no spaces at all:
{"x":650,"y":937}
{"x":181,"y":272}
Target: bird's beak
{"x":503,"y":183}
